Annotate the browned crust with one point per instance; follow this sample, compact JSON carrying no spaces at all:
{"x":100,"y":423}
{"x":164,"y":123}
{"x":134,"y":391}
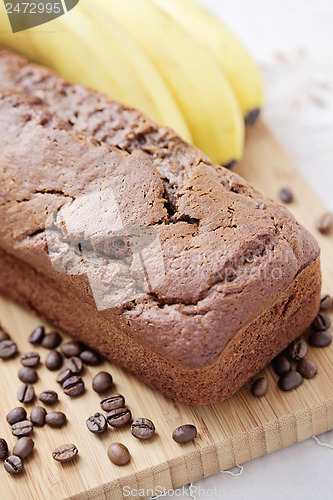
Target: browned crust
{"x":246,"y":354}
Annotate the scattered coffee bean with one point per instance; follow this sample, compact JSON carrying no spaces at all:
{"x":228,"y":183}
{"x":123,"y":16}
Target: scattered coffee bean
{"x":30,"y":359}
{"x":286,"y":195}
{"x":13,"y":465}
{"x":37,"y":416}
{"x":290,"y":380}
{"x":118,"y":454}
{"x":97,"y":423}
{"x":259,"y":387}
{"x":16,"y":415}
{"x":64,"y":375}
{"x":90,"y":358}
{"x":324,"y":223}
{"x":26,"y":393}
{"x":51,"y":340}
{"x":73,"y":386}
{"x":23,"y":428}
{"x":320,"y":339}
{"x":8,"y":349}
{"x":322,"y":322}
{"x":326,"y":302}
{"x":55,"y":419}
{"x":54,"y":360}
{"x":3,"y":335}
{"x":307,"y":368}
{"x":65,"y":453}
{"x":119,"y":417}
{"x":184,"y":433}
{"x":102,"y":382}
{"x":75,"y":365}
{"x":143,"y":428}
{"x":27,"y":375}
{"x":112,"y":402}
{"x":298,"y":349}
{"x":73,"y":348}
{"x":281,"y":364}
{"x":48,"y":397}
{"x":3,"y":449}
{"x":23,"y":447}
{"x":37,"y":335}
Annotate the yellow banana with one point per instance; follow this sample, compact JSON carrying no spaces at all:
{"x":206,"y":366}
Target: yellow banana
{"x":78,"y":46}
{"x":199,"y":86}
{"x":227,"y":50}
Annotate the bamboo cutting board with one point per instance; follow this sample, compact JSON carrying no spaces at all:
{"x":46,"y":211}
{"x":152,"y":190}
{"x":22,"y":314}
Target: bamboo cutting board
{"x":231,"y":432}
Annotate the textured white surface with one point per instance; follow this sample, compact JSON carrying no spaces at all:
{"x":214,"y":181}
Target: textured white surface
{"x":292,"y":40}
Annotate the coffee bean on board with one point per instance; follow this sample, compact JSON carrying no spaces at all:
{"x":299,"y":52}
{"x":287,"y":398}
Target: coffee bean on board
{"x":37,"y":416}
{"x":297,"y":350}
{"x":37,"y":335}
{"x":23,"y":447}
{"x":65,"y":453}
{"x":48,"y":397}
{"x":119,"y":417}
{"x":112,"y":402}
{"x":51,"y":340}
{"x":30,"y":359}
{"x":259,"y":387}
{"x":26,"y":393}
{"x":290,"y":380}
{"x":8,"y":349}
{"x":320,"y":339}
{"x":184,"y":433}
{"x":307,"y":368}
{"x":22,"y":428}
{"x":55,"y":419}
{"x":97,"y":423}
{"x":13,"y":465}
{"x":118,"y":454}
{"x":143,"y":428}
{"x":73,"y":386}
{"x":16,"y":415}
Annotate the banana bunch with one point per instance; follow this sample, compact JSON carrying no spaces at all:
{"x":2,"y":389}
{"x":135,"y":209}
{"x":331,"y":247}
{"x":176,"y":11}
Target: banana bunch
{"x":168,"y":58}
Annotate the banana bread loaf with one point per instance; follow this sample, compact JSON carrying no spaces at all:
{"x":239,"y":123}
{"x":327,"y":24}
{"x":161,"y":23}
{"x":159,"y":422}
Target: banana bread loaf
{"x":130,"y":239}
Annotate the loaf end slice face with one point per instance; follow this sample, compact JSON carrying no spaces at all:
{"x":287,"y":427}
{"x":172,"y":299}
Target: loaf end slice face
{"x":193,"y":285}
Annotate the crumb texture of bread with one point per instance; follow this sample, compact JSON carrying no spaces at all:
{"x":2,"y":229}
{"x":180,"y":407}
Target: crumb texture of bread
{"x":233,"y":259}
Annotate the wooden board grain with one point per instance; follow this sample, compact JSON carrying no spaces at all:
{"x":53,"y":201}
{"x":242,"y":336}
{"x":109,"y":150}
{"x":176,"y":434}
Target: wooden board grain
{"x":231,"y":432}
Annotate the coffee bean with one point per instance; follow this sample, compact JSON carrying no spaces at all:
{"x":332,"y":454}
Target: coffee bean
{"x":326,"y":302}
{"x":259,"y":387}
{"x":281,"y":364}
{"x":51,"y":340}
{"x":290,"y":380}
{"x":73,"y":386}
{"x":65,"y":453}
{"x":321,"y":322}
{"x":13,"y":465}
{"x":119,"y":417}
{"x":23,"y":428}
{"x":48,"y":397}
{"x":3,"y":335}
{"x":184,"y":433}
{"x":23,"y":447}
{"x":55,"y":419}
{"x":27,"y":375}
{"x":286,"y":195}
{"x":37,"y":416}
{"x":143,"y":428}
{"x":90,"y":358}
{"x":30,"y":359}
{"x":112,"y":402}
{"x":324,"y":223}
{"x":75,"y":365}
{"x":73,"y":348}
{"x":118,"y":454}
{"x":26,"y":393}
{"x":3,"y":449}
{"x":64,"y":375}
{"x":16,"y":415}
{"x":54,"y":360}
{"x":8,"y":349}
{"x":298,"y":349}
{"x":307,"y":368}
{"x":102,"y":382}
{"x":37,"y":335}
{"x":320,"y":339}
{"x":97,"y":423}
